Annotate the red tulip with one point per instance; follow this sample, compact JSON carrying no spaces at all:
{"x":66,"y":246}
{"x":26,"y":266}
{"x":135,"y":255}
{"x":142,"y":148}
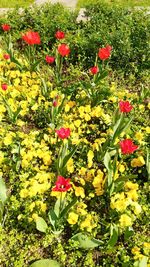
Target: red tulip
{"x":49,"y":59}
{"x":125,"y":106}
{"x":60,"y":35}
{"x":6,"y":56}
{"x":63,"y":50}
{"x":6,"y":27}
{"x":94,"y":70}
{"x":4,"y":86}
{"x":62,"y":184}
{"x":63,"y":133}
{"x":104,"y":53}
{"x":127,"y":146}
{"x":55,"y":103}
{"x":31,"y":38}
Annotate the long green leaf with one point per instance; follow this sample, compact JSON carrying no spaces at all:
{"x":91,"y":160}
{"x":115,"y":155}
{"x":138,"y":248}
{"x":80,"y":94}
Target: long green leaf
{"x":69,"y":156}
{"x":107,"y":160}
{"x":3,"y":190}
{"x":52,"y":217}
{"x":114,"y":235}
{"x":69,"y":206}
{"x":57,"y":207}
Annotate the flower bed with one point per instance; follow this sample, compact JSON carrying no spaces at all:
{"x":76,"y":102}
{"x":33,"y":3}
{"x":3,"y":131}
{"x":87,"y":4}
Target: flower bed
{"x":74,"y":159}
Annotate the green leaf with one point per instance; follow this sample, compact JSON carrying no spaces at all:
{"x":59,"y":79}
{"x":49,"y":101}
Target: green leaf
{"x":69,"y":206}
{"x":114,"y":235}
{"x":116,"y":127}
{"x":107,"y":160}
{"x":52,"y":217}
{"x":129,"y":232}
{"x":68,"y":157}
{"x":41,"y":225}
{"x":3,"y":190}
{"x":86,"y":242}
{"x":57,"y":207}
{"x":143,"y":262}
{"x":124,"y":128}
{"x":45,"y":263}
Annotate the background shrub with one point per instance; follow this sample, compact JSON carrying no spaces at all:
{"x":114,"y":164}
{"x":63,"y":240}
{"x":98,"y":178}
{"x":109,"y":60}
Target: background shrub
{"x":126,"y":30}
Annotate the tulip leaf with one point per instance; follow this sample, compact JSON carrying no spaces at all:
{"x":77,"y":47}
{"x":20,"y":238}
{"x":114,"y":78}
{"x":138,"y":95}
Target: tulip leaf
{"x":65,"y":160}
{"x":57,"y":207}
{"x":113,"y":235}
{"x":3,"y":190}
{"x":68,"y":207}
{"x":41,"y":225}
{"x":86,"y":242}
{"x":128,"y":233}
{"x":107,"y":160}
{"x":52,"y":217}
{"x":45,"y":263}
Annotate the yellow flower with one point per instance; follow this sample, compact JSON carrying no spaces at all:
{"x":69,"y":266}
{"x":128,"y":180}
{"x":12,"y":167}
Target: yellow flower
{"x":81,"y":208}
{"x":43,"y":207}
{"x":70,"y":166}
{"x":132,"y":194}
{"x":137,"y":208}
{"x":47,"y":158}
{"x":89,"y":223}
{"x":7,"y":139}
{"x":135,"y":250}
{"x":147,"y":129}
{"x":77,"y":123}
{"x":35,"y":107}
{"x":32,"y":205}
{"x":139,"y":136}
{"x":72,"y":218}
{"x":121,"y":168}
{"x":79,"y":191}
{"x":90,"y":158}
{"x":131,"y":186}
{"x":35,"y":216}
{"x":113,"y":99}
{"x":141,"y":107}
{"x":146,"y":245}
{"x":125,"y":220}
{"x":98,"y":179}
{"x":138,"y":162}
{"x":24,"y":193}
{"x":53,"y":94}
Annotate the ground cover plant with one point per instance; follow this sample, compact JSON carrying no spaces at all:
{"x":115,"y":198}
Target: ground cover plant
{"x":74,"y":158}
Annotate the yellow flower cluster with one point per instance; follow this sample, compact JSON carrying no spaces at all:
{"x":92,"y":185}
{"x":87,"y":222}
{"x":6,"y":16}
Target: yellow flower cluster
{"x":137,"y":162}
{"x":37,"y":185}
{"x":128,"y":199}
{"x":137,"y":252}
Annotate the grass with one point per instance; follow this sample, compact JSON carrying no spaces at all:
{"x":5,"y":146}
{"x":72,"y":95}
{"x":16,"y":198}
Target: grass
{"x":128,"y":3}
{"x":15,"y":3}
